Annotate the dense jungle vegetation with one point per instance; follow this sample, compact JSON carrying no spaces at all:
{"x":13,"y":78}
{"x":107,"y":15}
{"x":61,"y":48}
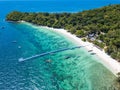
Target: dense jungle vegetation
{"x":100,"y":26}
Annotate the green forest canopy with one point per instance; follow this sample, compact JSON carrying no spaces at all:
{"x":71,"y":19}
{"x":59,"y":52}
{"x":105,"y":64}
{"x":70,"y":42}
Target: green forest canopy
{"x":100,"y":26}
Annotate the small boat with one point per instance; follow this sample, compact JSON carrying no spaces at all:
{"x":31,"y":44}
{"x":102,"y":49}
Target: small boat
{"x":48,"y":61}
{"x":67,"y":57}
{"x":19,"y":47}
{"x":93,"y":53}
{"x":90,"y":50}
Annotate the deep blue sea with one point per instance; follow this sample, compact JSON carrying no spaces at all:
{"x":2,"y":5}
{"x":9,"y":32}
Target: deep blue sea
{"x":79,"y":71}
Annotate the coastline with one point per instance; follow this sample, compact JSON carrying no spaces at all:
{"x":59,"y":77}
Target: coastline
{"x":106,"y":60}
{"x":110,"y":63}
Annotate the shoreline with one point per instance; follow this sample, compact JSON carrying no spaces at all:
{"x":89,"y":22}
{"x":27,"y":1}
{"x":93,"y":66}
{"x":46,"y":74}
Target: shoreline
{"x":110,"y":63}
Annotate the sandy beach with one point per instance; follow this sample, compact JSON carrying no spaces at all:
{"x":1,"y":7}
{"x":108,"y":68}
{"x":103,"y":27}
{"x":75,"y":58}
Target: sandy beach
{"x":106,"y":60}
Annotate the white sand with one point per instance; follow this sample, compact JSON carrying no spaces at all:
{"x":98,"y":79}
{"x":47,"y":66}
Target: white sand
{"x":106,"y":60}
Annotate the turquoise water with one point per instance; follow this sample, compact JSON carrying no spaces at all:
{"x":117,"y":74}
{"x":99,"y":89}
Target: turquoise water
{"x":80,"y":71}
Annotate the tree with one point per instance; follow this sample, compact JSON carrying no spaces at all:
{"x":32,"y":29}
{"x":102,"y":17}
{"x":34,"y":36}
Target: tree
{"x":79,"y":33}
{"x":103,"y":22}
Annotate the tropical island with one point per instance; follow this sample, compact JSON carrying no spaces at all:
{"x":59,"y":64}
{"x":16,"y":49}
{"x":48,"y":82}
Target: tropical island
{"x":100,"y":26}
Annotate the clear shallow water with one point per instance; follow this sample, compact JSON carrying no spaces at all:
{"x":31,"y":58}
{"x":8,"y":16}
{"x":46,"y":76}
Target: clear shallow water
{"x":80,"y":72}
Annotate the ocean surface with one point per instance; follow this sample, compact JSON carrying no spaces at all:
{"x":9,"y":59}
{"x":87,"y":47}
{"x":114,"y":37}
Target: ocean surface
{"x":69,"y":70}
